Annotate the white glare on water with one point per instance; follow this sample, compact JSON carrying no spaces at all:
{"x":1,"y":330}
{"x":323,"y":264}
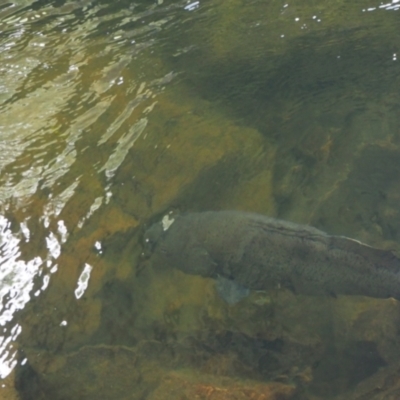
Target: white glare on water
{"x":83,"y":281}
{"x":16,"y":283}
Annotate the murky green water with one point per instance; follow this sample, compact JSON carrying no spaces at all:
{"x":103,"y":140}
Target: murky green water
{"x":113,"y":114}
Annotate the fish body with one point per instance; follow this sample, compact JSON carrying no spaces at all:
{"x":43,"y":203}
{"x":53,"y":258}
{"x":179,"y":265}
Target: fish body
{"x":261,"y":253}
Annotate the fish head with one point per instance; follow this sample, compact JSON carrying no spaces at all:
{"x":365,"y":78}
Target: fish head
{"x":151,"y":237}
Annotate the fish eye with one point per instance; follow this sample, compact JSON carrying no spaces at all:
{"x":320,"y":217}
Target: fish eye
{"x":151,"y":237}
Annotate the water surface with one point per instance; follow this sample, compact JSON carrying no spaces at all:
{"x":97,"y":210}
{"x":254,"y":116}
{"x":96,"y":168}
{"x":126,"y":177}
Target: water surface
{"x":113,"y":114}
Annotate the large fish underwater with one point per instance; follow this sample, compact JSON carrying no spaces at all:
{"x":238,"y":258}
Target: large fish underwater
{"x":246,"y":251}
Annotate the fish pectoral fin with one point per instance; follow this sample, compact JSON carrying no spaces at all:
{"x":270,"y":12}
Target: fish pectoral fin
{"x":200,"y":262}
{"x":229,"y":290}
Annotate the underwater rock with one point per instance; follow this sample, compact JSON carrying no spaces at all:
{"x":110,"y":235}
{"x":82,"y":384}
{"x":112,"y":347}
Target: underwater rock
{"x":144,"y":372}
{"x":384,"y":385}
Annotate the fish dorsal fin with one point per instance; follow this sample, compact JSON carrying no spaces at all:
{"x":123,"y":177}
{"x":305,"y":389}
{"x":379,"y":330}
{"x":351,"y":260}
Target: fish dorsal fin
{"x":379,"y":257}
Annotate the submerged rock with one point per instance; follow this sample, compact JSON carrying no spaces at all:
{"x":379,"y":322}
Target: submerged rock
{"x":148,"y":371}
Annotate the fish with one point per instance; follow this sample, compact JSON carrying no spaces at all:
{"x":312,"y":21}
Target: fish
{"x":256,"y":252}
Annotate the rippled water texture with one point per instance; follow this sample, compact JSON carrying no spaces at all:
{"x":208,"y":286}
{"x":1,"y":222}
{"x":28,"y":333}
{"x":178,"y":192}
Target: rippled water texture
{"x":113,"y":114}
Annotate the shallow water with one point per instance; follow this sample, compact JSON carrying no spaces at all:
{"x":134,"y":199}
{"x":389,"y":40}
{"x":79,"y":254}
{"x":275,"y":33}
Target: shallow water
{"x":113,"y":114}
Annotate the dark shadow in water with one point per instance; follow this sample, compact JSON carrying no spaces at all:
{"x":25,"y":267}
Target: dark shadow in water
{"x":341,"y":370}
{"x":27,"y":383}
{"x":118,"y":315}
{"x":213,"y":186}
{"x":367,"y":197}
{"x":322,"y":75}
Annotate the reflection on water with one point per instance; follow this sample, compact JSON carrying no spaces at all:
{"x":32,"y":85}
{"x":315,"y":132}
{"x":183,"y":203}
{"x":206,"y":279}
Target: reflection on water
{"x":113,"y":114}
{"x":16,"y":284}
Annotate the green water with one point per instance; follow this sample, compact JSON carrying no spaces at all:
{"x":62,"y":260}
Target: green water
{"x":113,"y":114}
